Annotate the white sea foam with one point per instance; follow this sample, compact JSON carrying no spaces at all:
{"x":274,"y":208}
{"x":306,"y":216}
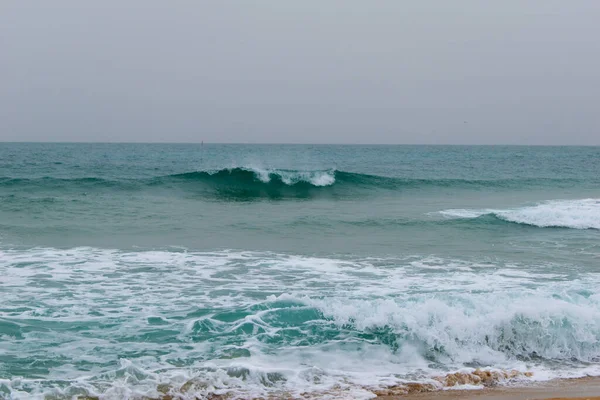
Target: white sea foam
{"x":291,"y":177}
{"x":121,"y":324}
{"x":576,"y":214}
{"x":464,"y":213}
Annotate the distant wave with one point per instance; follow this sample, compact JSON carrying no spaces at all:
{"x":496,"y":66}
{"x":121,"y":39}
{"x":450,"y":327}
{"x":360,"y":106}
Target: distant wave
{"x":575,"y":214}
{"x":317,"y":178}
{"x":335,"y":177}
{"x":251,"y":182}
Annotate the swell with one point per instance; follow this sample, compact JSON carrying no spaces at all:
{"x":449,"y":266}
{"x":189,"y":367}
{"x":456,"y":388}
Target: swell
{"x":48,"y":182}
{"x":258,"y":182}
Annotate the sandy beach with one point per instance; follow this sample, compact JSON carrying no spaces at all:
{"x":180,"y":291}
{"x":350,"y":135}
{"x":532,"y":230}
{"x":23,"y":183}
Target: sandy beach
{"x":560,"y":389}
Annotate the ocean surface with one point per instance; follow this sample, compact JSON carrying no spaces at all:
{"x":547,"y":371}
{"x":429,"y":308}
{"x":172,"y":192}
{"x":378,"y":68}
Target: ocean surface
{"x":131,"y":270}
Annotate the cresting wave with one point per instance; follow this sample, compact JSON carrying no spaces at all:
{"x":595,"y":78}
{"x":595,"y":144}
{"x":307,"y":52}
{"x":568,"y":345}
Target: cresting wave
{"x":575,"y":214}
{"x":253,"y":178}
{"x":273,"y":177}
{"x":121,"y":324}
{"x":222,"y":184}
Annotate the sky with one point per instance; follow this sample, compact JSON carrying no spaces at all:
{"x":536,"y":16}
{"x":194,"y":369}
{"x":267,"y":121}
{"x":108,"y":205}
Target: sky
{"x":310,"y":71}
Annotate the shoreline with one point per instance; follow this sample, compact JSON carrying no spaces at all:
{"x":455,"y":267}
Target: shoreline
{"x":587,"y":388}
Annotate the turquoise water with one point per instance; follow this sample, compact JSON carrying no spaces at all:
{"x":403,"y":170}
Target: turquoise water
{"x":131,"y":269}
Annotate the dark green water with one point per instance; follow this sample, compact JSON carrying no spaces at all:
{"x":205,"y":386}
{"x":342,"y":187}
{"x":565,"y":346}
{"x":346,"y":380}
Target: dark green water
{"x":276,"y":267}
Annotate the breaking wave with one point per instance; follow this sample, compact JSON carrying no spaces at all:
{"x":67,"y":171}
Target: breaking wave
{"x":574,"y":214}
{"x":241,"y":183}
{"x":120,"y":325}
{"x":275,"y":177}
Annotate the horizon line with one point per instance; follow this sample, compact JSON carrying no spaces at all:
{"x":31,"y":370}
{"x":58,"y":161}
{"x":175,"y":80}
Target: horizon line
{"x":303,"y":144}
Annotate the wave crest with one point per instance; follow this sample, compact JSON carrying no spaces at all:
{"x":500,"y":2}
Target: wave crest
{"x":315,"y":178}
{"x":250,"y":183}
{"x":574,"y":214}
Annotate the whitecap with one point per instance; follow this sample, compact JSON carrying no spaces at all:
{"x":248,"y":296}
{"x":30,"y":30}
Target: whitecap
{"x":575,"y":214}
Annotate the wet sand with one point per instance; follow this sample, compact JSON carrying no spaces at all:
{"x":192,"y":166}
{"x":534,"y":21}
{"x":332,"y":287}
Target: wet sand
{"x":560,"y":389}
{"x":568,"y":389}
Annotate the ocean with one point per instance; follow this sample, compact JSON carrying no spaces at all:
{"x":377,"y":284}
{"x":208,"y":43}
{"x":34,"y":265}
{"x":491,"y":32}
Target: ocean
{"x":293,"y":271}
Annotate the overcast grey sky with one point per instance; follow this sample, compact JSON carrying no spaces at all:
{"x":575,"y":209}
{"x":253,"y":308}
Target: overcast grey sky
{"x":310,"y":71}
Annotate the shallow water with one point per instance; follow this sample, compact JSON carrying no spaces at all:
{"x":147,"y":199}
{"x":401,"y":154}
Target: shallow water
{"x":125,"y":269}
